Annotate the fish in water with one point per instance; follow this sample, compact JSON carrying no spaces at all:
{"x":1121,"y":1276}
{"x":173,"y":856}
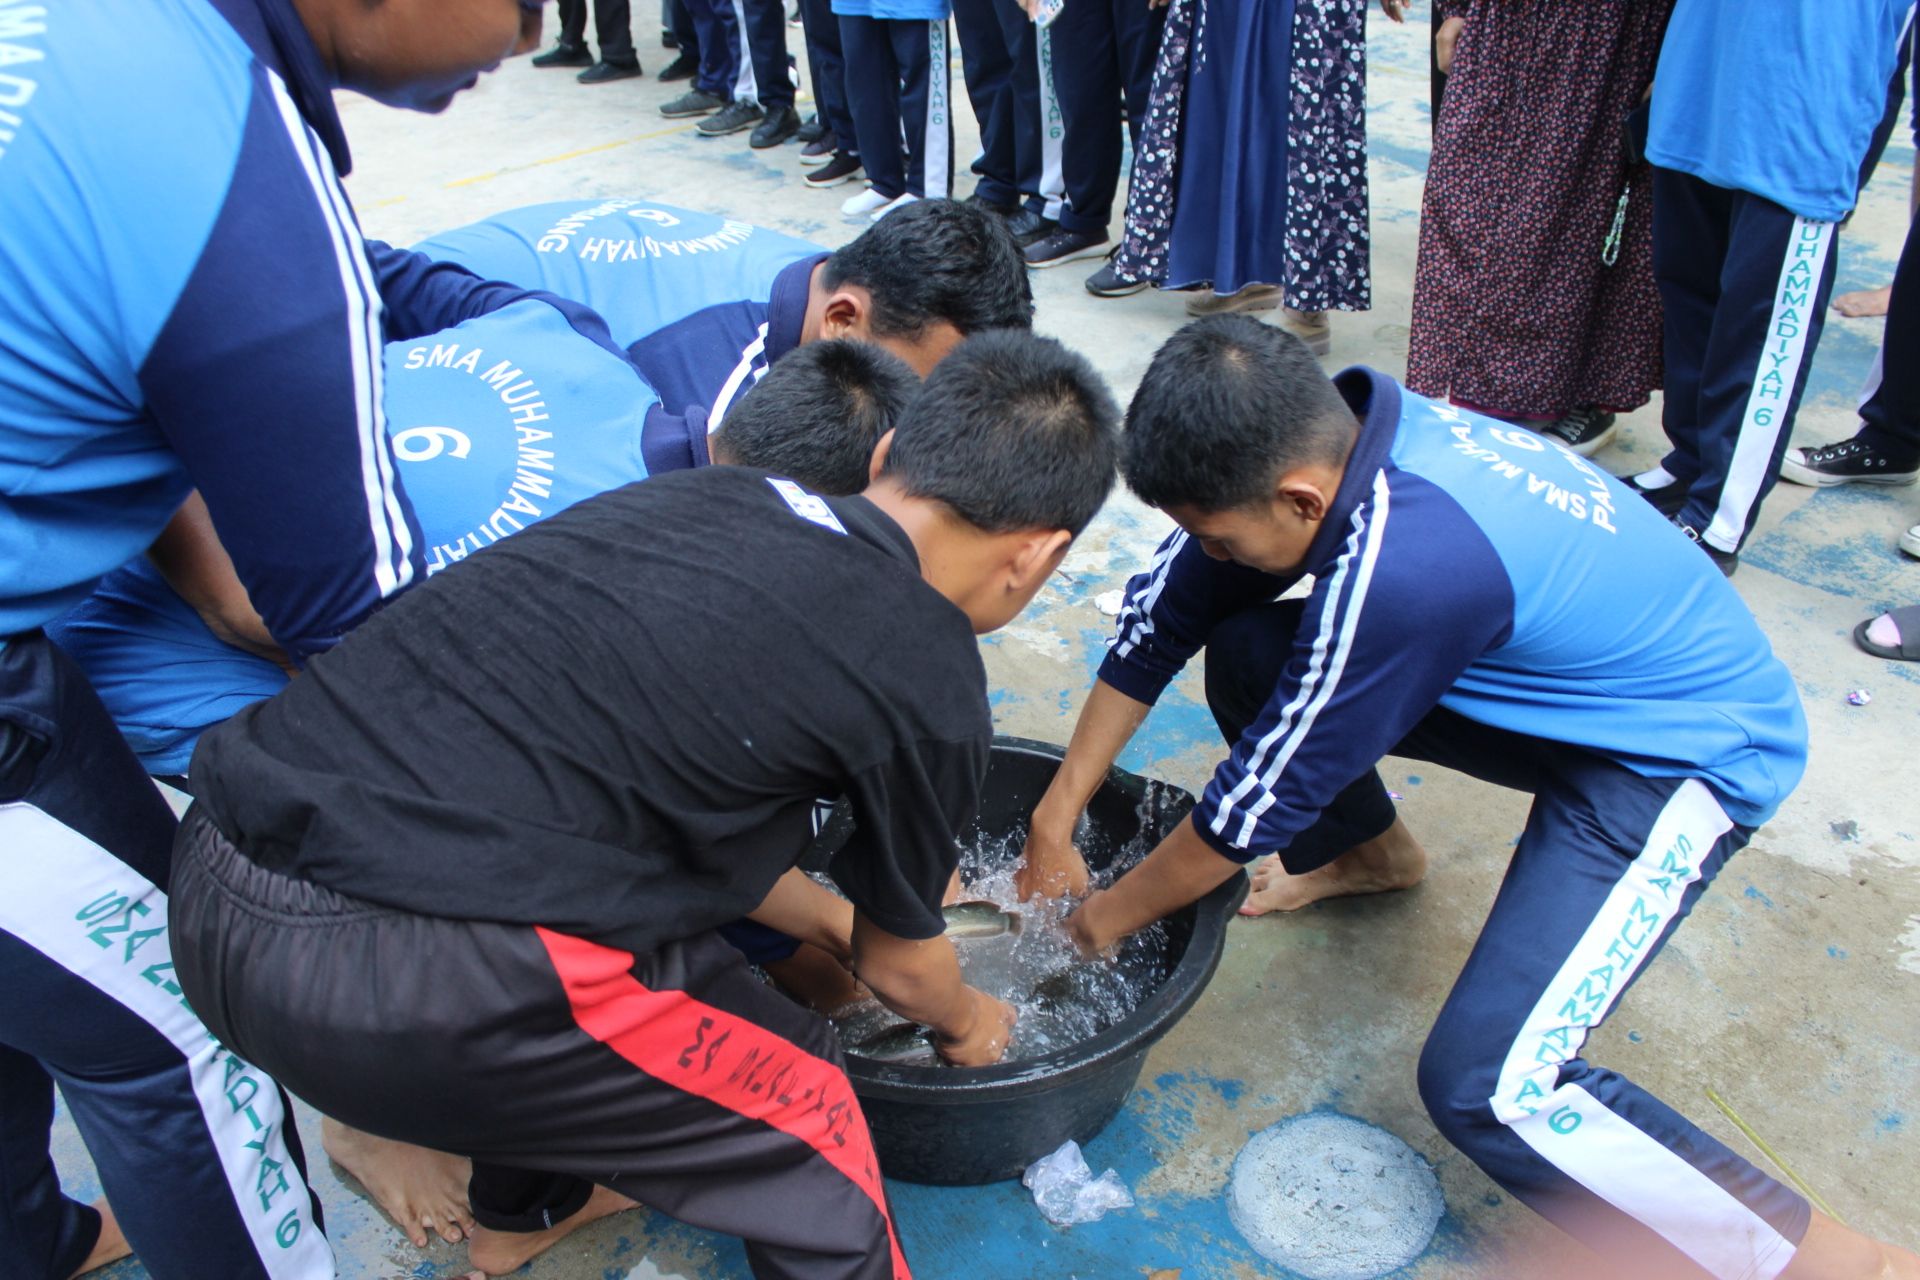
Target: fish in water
{"x":979,"y":920}
{"x":901,"y":1042}
{"x":1054,"y":991}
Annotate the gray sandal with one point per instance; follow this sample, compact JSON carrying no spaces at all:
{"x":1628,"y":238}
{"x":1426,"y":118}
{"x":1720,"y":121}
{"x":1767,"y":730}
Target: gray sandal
{"x":1906,"y":619}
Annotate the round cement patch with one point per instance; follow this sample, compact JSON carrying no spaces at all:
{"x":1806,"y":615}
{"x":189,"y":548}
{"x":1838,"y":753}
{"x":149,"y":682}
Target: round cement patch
{"x":1329,"y":1197}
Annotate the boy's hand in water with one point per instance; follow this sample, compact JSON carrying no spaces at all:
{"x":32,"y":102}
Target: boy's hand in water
{"x":983,"y":1041}
{"x":1051,"y":866}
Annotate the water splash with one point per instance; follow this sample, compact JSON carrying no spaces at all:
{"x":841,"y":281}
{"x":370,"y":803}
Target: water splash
{"x":1063,"y":998}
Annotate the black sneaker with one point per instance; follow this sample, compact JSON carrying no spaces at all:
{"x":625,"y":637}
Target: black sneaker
{"x":1005,"y":212}
{"x":563,"y":55}
{"x":812,"y":129}
{"x":1725,"y":561}
{"x":775,"y":129}
{"x":607,"y":72}
{"x":1668,"y":499}
{"x":732,"y":118}
{"x":1065,"y":246}
{"x":1106,"y":282}
{"x":1028,"y":226}
{"x":819,"y":151}
{"x":1583,"y":430}
{"x":693,"y":102}
{"x":681,"y":68}
{"x":843,"y":167}
{"x":1854,"y":461}
{"x":668,"y":40}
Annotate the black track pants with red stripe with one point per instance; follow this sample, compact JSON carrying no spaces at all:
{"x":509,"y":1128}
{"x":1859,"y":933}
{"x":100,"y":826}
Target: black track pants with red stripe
{"x":677,"y":1077}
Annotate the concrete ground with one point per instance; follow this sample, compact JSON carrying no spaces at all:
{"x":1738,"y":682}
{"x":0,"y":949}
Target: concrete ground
{"x":1792,"y":992}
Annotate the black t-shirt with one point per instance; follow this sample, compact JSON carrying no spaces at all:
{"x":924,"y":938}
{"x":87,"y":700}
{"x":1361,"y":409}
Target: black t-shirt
{"x":616,"y":723}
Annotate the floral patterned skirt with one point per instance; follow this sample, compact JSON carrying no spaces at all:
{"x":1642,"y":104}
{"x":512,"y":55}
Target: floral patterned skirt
{"x":1519,"y":305}
{"x":1252,"y":160}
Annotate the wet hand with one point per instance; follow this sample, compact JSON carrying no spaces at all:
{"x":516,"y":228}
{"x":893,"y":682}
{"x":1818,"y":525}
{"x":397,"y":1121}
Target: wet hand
{"x":984,"y":1041}
{"x":1050,"y":865}
{"x":1084,"y":931}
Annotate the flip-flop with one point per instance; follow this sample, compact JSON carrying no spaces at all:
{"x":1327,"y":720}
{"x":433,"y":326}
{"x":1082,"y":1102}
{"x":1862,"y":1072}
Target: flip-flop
{"x":1906,"y":619}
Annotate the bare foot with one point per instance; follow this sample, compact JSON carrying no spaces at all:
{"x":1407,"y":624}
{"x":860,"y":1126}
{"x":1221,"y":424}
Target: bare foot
{"x":499,"y":1252}
{"x":420,"y":1189}
{"x":1391,"y":860}
{"x":111,"y":1246}
{"x":1864,"y":302}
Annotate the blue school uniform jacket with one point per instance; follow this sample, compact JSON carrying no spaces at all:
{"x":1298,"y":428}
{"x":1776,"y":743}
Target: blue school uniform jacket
{"x":704,"y":304}
{"x":1779,"y":100}
{"x":1472,"y":565}
{"x":186,"y":301}
{"x":495,"y":424}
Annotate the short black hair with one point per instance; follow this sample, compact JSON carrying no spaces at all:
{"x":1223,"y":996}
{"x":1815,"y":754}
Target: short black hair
{"x":1012,"y":431}
{"x":1229,"y":405}
{"x":818,"y":413}
{"x":936,"y":260}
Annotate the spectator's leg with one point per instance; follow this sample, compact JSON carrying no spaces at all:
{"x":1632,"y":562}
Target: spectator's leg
{"x":873,"y":100}
{"x":1774,"y":285}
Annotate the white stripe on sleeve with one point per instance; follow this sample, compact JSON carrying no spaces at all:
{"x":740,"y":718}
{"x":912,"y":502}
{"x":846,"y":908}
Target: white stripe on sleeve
{"x":365,"y":352}
{"x":1324,"y":670}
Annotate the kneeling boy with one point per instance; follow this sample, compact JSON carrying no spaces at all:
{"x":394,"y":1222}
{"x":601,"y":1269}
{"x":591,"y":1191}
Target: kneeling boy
{"x":1490,"y":602}
{"x":507,"y":814}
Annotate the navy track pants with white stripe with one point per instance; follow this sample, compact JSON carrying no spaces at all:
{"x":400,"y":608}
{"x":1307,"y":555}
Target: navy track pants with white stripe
{"x":196,"y":1149}
{"x":1104,"y":51}
{"x":1609,"y":865}
{"x":1745,"y":285}
{"x":766,"y":70}
{"x":899,"y":85}
{"x":708,"y":29}
{"x":1005,"y":59}
{"x":827,"y":65}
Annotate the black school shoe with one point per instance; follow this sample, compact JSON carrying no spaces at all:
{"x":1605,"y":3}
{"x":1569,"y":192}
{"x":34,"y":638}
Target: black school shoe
{"x":1725,"y":561}
{"x":607,"y":72}
{"x":1106,"y":282}
{"x":1584,"y":430}
{"x":1064,"y":246}
{"x":818,"y":151}
{"x":843,"y":167}
{"x":1854,"y":461}
{"x":681,"y":68}
{"x":1028,"y":226}
{"x":812,"y":129}
{"x":732,"y":118}
{"x":692,"y":103}
{"x":1669,"y":499}
{"x":564,"y":55}
{"x":775,"y":129}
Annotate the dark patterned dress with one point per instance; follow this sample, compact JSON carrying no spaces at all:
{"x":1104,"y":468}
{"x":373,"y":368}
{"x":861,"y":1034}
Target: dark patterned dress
{"x":1252,"y":166}
{"x":1515,"y":309}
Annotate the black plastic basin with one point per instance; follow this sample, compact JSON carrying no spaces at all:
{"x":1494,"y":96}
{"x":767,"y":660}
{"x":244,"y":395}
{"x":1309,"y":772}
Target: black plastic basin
{"x":954,"y":1126}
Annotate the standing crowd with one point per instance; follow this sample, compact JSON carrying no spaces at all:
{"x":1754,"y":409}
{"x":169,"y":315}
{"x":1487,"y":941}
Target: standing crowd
{"x":510,"y":610}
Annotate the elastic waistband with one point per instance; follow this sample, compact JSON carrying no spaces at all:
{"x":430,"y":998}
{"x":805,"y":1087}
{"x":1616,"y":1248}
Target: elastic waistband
{"x":200,"y":846}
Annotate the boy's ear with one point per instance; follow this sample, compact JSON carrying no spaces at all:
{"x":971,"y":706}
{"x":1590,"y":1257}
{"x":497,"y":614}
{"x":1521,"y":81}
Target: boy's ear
{"x":1036,"y":554}
{"x":1305,"y":498}
{"x":845,"y":315}
{"x":879,"y":461}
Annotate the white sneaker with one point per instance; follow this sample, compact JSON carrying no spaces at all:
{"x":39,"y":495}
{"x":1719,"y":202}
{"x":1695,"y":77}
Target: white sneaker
{"x":898,"y":202}
{"x":1910,"y":542}
{"x":864,"y":203}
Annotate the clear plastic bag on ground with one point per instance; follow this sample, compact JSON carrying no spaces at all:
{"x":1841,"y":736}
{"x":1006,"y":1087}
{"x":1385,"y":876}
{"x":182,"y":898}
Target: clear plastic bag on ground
{"x":1066,"y":1191}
